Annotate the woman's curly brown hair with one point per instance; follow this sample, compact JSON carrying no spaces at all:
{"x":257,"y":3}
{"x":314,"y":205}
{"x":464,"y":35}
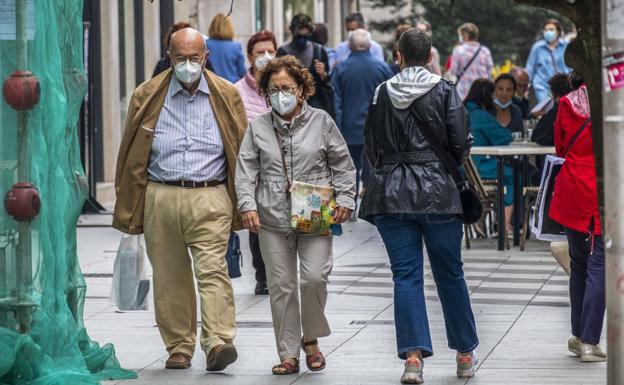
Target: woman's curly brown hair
{"x":302,"y":75}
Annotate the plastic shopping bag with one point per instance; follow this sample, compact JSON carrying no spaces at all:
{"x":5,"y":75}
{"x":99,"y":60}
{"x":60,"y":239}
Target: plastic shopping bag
{"x":312,"y":208}
{"x":130,"y":282}
{"x":542,"y":225}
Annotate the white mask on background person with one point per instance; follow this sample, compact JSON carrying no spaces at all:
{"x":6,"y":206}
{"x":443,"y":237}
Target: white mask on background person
{"x":262,"y":61}
{"x":188,"y":72}
{"x":460,"y":38}
{"x":282,"y":103}
{"x":502,"y":105}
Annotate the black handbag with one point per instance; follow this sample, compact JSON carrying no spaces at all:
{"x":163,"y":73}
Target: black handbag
{"x":470,"y":201}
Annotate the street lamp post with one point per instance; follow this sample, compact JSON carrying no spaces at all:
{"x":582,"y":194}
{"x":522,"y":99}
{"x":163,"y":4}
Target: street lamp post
{"x":613,"y":99}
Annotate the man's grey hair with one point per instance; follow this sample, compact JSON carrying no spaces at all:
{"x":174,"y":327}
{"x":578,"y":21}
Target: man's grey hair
{"x":360,"y":40}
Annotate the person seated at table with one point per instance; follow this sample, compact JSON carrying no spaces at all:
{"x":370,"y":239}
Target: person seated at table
{"x":487,"y":131}
{"x":507,"y":114}
{"x":544,"y":133}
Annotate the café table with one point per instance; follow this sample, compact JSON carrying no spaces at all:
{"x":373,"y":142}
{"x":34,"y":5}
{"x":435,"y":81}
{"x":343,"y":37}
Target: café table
{"x":514,"y":150}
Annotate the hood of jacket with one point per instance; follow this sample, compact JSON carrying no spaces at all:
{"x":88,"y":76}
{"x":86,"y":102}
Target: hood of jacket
{"x":409,"y":85}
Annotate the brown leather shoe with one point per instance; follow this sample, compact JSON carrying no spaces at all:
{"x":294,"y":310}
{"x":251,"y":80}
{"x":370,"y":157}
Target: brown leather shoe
{"x":178,"y":361}
{"x":220,"y":357}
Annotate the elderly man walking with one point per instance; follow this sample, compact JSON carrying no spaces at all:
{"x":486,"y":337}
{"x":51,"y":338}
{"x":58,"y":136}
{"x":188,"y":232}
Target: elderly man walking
{"x":355,"y":80}
{"x":175,"y":184}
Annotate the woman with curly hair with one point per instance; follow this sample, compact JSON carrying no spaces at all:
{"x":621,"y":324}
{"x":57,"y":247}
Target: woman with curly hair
{"x":293,"y":142}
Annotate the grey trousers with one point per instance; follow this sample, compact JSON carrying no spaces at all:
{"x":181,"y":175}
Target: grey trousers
{"x":279,"y":251}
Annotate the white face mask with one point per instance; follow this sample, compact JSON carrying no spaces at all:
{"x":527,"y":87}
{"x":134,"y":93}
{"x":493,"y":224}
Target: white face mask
{"x":262,"y":61}
{"x":188,"y":72}
{"x":283,"y":104}
{"x":501,"y":104}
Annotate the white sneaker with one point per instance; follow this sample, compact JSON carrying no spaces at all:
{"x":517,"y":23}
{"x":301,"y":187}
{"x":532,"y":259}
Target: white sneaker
{"x":413,"y":373}
{"x":592,"y":353}
{"x":574,"y":346}
{"x":467,"y":364}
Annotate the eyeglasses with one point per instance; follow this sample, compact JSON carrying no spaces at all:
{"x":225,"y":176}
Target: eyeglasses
{"x":286,"y":90}
{"x":193,"y":59}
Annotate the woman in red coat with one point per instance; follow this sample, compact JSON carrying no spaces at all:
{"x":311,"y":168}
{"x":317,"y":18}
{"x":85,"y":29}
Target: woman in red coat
{"x":575,"y":205}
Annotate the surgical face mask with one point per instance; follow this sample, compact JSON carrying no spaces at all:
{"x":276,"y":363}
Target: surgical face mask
{"x":460,"y":38}
{"x":283,"y":103}
{"x":188,"y":72}
{"x":262,"y":61}
{"x":502,"y":105}
{"x":550,"y":35}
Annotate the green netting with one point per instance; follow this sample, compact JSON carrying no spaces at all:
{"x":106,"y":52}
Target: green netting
{"x":43,"y":340}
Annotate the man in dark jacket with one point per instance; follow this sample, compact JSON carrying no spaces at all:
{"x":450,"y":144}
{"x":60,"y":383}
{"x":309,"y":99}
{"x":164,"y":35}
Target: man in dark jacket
{"x":411,"y":196}
{"x":313,"y":57}
{"x":355,"y":80}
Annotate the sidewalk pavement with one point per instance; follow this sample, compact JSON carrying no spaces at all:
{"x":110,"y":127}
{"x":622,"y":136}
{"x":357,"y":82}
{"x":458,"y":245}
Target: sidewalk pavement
{"x":519,"y":299}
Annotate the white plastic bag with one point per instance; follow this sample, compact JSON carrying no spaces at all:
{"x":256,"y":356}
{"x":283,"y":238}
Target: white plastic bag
{"x":130,"y":282}
{"x":542,"y":226}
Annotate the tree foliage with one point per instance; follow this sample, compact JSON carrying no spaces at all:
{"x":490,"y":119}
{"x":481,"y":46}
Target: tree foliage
{"x":507,"y":28}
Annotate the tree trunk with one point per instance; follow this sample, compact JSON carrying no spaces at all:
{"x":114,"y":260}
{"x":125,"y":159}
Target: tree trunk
{"x":584,"y":55}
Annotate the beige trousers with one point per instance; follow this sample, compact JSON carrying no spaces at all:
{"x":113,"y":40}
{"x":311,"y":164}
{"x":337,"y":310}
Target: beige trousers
{"x":279,"y":251}
{"x":176,"y":220}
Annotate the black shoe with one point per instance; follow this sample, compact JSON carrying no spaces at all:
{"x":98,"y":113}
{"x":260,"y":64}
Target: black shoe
{"x":261,"y":288}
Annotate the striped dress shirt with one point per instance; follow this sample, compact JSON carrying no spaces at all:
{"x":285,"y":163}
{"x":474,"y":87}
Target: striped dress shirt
{"x":187,"y":143}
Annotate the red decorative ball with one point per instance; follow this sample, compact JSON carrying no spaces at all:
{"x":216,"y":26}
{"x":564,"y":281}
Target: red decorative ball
{"x":22,"y":202}
{"x":21,"y":90}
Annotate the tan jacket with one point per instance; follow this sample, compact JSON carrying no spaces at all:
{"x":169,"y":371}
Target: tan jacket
{"x":136,"y":144}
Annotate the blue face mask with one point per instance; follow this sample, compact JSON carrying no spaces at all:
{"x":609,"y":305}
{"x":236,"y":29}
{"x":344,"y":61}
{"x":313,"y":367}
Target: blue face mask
{"x":550,"y":36}
{"x":502,"y":105}
{"x":300,"y":41}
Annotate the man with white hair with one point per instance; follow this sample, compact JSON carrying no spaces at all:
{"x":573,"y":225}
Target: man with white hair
{"x":355,"y":80}
{"x":354,"y":22}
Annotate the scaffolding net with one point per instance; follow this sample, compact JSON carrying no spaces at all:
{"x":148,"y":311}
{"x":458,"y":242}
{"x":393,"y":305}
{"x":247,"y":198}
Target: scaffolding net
{"x":43,"y":340}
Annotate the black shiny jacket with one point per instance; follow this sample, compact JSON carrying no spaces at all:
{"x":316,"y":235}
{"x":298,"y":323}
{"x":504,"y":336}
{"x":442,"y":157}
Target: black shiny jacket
{"x":407,"y":176}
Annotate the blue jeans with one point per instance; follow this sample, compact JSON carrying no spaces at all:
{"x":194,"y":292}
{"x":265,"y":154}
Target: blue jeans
{"x":403,"y":236}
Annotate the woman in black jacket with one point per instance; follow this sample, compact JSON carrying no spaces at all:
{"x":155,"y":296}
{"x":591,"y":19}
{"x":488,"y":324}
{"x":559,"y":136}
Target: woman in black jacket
{"x":411,"y":196}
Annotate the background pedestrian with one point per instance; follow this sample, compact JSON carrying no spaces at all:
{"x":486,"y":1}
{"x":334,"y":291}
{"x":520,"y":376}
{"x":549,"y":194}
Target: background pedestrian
{"x":547,"y":58}
{"x":226,"y":55}
{"x":470,"y":59}
{"x":314,"y":57}
{"x":261,"y":49}
{"x":355,"y":80}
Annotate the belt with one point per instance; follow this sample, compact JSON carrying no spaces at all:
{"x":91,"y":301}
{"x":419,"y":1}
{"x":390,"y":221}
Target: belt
{"x":189,"y":183}
{"x":410,"y":157}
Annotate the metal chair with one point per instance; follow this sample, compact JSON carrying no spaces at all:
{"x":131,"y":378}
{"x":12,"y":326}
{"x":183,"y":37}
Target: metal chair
{"x":487,"y":190}
{"x":530,"y":196}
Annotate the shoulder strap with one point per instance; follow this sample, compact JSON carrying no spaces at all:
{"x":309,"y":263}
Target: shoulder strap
{"x":575,"y":137}
{"x":445,"y":157}
{"x":552,"y":58}
{"x":469,"y":63}
{"x":279,"y":144}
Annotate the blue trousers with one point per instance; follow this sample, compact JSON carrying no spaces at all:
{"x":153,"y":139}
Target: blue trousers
{"x":442,"y":233}
{"x":587,"y":285}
